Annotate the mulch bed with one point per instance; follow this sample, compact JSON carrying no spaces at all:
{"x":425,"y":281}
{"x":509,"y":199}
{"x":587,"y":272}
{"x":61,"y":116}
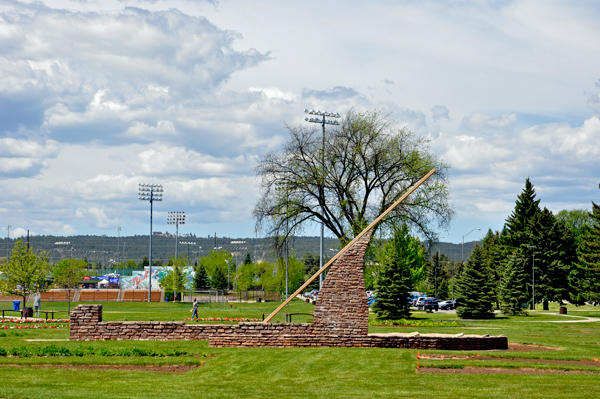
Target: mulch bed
{"x":498,"y":370}
{"x":514,"y":346}
{"x":167,"y":368}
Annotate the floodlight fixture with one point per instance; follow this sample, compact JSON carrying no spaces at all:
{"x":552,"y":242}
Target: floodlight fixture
{"x":8,"y":228}
{"x":176,"y":218}
{"x":150,"y":192}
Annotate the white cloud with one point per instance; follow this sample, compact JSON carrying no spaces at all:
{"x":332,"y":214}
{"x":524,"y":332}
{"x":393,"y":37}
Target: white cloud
{"x":477,"y":121}
{"x":580,"y":144}
{"x":95,"y":217}
{"x":274,"y":92}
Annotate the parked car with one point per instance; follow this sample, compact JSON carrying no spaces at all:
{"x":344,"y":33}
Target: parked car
{"x":428,"y":304}
{"x":458,"y":302}
{"x":446,"y":305}
{"x":416,"y":302}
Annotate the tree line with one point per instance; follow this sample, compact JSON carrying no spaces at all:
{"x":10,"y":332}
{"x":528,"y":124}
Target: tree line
{"x":538,"y":257}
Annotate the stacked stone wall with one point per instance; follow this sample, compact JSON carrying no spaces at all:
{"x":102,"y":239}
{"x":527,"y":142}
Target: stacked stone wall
{"x":87,"y":325}
{"x":343,"y":297}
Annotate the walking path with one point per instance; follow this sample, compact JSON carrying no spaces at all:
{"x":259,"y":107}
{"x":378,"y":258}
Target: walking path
{"x":581,"y":319}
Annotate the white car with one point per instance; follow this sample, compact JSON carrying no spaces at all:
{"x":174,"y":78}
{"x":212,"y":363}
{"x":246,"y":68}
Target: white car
{"x":446,"y":305}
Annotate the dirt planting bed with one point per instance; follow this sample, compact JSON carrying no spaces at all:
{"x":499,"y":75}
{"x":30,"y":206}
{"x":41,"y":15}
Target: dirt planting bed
{"x":167,"y":368}
{"x":498,"y":370}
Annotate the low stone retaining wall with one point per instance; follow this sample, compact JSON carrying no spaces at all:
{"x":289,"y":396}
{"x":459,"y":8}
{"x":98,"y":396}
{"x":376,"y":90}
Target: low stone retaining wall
{"x":87,"y":325}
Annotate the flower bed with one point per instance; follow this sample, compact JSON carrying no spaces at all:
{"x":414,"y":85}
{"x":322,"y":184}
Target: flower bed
{"x":26,"y":327}
{"x":414,"y":323}
{"x":34,"y":321}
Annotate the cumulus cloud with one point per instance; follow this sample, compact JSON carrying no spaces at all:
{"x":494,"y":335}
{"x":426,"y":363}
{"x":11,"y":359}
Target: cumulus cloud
{"x":440,"y":112}
{"x":177,"y":161}
{"x":336,"y":93}
{"x":129,"y":70}
{"x":594,"y":103}
{"x":580,"y":144}
{"x":20,"y":158}
{"x":478,"y":121}
{"x":95,"y":217}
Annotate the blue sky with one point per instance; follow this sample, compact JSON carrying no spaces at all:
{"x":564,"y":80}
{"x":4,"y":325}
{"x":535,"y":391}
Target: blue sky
{"x":98,"y":96}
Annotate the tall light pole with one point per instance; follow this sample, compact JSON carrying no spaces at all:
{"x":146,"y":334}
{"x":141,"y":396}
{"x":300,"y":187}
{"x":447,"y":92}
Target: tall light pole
{"x":533,"y":247}
{"x":8,"y":229}
{"x":176,"y":218}
{"x":188,"y":249}
{"x":228,"y":273}
{"x":150,"y":192}
{"x":462,"y":257}
{"x":323,"y":122}
{"x":118,"y":238}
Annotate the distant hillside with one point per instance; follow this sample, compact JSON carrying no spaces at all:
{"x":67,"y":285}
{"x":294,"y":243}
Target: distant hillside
{"x":103,"y":249}
{"x":454,"y":251}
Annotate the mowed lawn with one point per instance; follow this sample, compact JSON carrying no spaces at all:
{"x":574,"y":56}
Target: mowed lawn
{"x":303,"y":372}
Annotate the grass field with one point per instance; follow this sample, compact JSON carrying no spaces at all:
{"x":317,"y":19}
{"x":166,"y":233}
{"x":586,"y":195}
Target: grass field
{"x":303,"y":372}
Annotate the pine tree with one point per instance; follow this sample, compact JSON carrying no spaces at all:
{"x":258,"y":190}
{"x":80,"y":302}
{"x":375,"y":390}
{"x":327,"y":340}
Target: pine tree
{"x":394,"y":283}
{"x":513,"y":288}
{"x":247,"y":259}
{"x":589,"y":258}
{"x":201,"y":278}
{"x":526,"y":207}
{"x":556,"y":255}
{"x":219,"y":279}
{"x":473,"y":288}
{"x":531,"y":232}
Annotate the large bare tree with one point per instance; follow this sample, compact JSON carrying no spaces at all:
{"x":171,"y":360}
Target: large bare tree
{"x":354,"y":174}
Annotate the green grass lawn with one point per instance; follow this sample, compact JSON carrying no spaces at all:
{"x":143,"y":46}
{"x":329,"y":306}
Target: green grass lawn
{"x":302,"y":372}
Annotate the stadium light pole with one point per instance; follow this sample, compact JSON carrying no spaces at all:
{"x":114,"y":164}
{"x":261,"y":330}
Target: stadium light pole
{"x":176,"y":218}
{"x":323,"y":122}
{"x":8,"y":228}
{"x":118,"y":238}
{"x":188,"y":248}
{"x":150,"y":192}
{"x":532,"y":247}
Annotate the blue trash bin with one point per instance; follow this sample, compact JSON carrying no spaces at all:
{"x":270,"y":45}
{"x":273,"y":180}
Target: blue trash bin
{"x":16,"y":305}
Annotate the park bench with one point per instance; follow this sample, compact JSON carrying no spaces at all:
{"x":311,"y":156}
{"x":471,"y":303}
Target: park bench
{"x":12,"y":310}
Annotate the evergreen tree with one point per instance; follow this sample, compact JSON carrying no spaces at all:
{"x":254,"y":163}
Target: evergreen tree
{"x":589,"y":258}
{"x":513,"y":288}
{"x":309,"y":262}
{"x":526,"y":207}
{"x":394,"y":283}
{"x":201,"y":280}
{"x":556,"y":255}
{"x":247,"y":259}
{"x":219,"y":279}
{"x":473,"y":288}
{"x":533,"y":232}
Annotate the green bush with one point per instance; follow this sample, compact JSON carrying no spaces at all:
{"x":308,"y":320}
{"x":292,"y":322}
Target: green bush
{"x":56,"y":351}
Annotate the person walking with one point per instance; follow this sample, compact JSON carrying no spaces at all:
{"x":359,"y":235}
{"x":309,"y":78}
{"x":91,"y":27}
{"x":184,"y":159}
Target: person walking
{"x":37,"y":304}
{"x":195,"y":309}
